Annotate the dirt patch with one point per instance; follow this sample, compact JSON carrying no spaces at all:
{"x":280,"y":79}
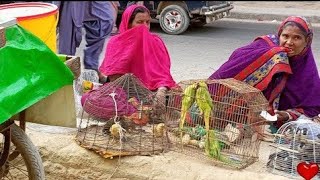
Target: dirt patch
{"x":63,"y":159}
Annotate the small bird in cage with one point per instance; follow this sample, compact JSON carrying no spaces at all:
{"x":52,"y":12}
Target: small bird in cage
{"x":125,"y":123}
{"x":205,"y":102}
{"x":142,"y":116}
{"x":159,"y":130}
{"x":213,"y":147}
{"x":134,"y":101}
{"x":187,"y":100}
{"x":139,"y":118}
{"x":117,"y":132}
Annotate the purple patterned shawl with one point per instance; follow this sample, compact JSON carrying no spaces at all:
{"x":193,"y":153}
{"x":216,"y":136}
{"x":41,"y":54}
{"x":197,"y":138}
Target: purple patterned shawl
{"x":302,"y":88}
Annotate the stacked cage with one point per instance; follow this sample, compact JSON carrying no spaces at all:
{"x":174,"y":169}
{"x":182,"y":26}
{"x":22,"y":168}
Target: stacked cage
{"x":295,"y":142}
{"x":218,"y":120}
{"x":123,"y":118}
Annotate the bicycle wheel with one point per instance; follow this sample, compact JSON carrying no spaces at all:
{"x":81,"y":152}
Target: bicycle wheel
{"x":24,"y":161}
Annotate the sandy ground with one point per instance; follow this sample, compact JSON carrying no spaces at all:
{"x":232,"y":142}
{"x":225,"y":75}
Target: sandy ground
{"x":65,"y":159}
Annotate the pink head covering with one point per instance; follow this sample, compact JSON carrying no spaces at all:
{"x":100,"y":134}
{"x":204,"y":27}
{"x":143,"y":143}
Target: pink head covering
{"x":140,"y":52}
{"x":124,"y":25}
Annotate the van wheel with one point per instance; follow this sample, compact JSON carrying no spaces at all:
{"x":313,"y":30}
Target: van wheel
{"x":174,"y":20}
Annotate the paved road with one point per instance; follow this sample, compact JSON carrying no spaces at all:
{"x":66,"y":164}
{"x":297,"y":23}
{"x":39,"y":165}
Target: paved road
{"x":199,"y":51}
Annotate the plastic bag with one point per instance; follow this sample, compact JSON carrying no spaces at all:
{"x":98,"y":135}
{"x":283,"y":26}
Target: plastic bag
{"x":29,"y":70}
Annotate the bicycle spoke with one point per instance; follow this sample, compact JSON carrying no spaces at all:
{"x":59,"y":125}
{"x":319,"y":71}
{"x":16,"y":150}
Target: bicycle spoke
{"x":16,"y":161}
{"x":16,"y":171}
{"x":16,"y":166}
{"x":19,"y":169}
{"x":10,"y":175}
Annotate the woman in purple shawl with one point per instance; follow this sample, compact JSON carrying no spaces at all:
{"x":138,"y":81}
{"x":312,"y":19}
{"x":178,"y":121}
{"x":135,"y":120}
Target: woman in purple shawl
{"x":282,"y":66}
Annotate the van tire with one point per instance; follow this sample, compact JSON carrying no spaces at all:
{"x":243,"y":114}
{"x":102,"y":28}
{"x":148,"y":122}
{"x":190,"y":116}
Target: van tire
{"x":180,"y":26}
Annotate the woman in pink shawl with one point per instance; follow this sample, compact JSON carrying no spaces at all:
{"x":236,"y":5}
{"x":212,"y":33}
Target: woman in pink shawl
{"x":136,"y":50}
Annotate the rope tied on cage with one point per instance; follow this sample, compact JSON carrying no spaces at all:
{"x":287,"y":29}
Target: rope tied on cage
{"x":121,"y":129}
{"x":113,"y":94}
{"x":115,"y":120}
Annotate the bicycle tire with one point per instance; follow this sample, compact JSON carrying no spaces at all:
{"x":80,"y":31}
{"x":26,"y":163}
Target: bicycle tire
{"x":29,"y":153}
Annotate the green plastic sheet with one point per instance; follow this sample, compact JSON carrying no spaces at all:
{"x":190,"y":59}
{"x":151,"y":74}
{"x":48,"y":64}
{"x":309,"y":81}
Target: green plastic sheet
{"x":29,"y":70}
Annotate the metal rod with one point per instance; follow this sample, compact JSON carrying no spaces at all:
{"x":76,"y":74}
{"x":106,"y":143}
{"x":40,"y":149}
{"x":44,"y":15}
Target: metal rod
{"x":7,"y":141}
{"x":2,"y":37}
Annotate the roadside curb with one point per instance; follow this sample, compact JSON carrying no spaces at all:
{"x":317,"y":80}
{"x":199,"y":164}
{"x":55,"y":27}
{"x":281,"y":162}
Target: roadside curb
{"x":275,"y":22}
{"x":267,"y":17}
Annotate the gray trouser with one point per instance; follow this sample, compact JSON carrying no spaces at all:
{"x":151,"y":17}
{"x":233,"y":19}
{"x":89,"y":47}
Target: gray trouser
{"x":72,"y":20}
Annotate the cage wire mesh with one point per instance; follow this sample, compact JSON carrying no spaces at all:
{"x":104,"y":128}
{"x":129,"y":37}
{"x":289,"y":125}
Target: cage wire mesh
{"x":295,"y":142}
{"x":124,"y":118}
{"x":233,"y":119}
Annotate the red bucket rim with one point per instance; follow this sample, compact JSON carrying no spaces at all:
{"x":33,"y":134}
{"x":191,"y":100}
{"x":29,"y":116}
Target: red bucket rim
{"x":31,"y":4}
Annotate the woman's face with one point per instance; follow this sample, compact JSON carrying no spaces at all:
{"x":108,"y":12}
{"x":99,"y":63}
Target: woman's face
{"x":292,"y":37}
{"x":141,"y":18}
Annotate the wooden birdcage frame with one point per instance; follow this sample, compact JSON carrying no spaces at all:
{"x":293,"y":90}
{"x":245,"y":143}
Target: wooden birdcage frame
{"x":235,"y":119}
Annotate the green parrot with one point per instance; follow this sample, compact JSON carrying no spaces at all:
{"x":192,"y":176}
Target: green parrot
{"x":212,"y":146}
{"x":204,"y":101}
{"x":188,"y":99}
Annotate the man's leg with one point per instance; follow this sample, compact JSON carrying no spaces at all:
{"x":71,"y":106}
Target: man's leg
{"x":70,"y":34}
{"x":96,"y":33}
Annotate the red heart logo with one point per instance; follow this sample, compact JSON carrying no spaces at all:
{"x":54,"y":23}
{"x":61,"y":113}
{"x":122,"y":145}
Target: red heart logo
{"x":307,"y":170}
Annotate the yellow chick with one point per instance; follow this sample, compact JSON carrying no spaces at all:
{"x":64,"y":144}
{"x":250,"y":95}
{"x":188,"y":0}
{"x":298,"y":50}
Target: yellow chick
{"x":115,"y":130}
{"x":134,"y":101}
{"x":158,"y":130}
{"x":186,"y":139}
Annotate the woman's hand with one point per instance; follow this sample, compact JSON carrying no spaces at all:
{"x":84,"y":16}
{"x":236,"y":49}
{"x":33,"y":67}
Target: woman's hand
{"x":114,"y":77}
{"x":282,"y":116}
{"x":161,"y":95}
{"x":159,"y":103}
{"x":316,"y":119}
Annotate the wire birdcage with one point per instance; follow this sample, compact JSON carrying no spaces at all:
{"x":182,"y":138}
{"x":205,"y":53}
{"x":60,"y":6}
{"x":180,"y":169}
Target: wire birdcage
{"x":295,"y":142}
{"x":234,"y":122}
{"x":124,"y":118}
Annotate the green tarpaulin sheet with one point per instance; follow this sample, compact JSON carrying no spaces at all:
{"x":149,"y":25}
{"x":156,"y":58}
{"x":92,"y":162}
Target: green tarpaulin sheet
{"x":29,"y":70}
